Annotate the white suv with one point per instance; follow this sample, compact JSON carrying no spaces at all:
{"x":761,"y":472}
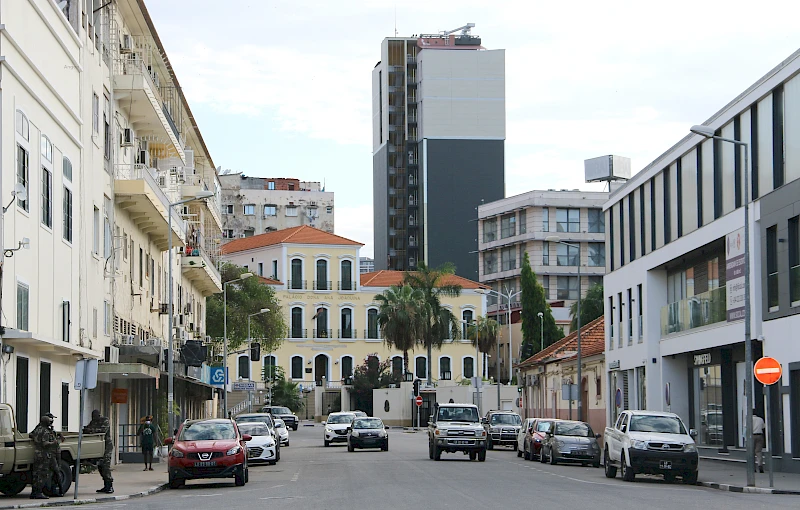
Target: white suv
{"x":337,"y":427}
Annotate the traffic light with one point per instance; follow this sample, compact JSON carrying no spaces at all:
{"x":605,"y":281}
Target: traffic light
{"x":519,"y":390}
{"x":255,"y":351}
{"x":416,"y":387}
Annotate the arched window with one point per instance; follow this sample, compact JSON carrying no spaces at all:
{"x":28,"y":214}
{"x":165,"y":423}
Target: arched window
{"x":347,"y":282}
{"x":397,"y":366}
{"x":444,"y":368}
{"x":347,"y":366}
{"x":269,"y":367}
{"x":244,"y":367}
{"x":297,"y":367}
{"x":421,"y":367}
{"x":321,"y":330}
{"x":466,"y":315}
{"x":297,"y":323}
{"x":23,"y":156}
{"x":346,"y":323}
{"x":23,"y":126}
{"x":296,"y":278}
{"x":468,"y":370}
{"x":322,"y":282}
{"x":372,"y":323}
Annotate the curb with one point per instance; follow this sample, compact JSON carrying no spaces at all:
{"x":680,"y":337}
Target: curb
{"x":746,"y":490}
{"x":84,"y":501}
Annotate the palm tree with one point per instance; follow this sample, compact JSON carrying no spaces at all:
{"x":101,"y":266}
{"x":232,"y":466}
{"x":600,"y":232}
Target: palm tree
{"x":483,"y":333}
{"x":400,"y":318}
{"x":439,"y":323}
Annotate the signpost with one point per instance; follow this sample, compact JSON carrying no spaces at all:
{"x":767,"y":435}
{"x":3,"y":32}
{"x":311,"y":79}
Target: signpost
{"x":85,"y":379}
{"x":768,"y":371}
{"x":418,"y":401}
{"x":217,"y":376}
{"x":244,"y":386}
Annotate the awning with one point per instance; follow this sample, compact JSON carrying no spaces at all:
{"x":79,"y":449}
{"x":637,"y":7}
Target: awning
{"x":112,"y":371}
{"x":54,"y":347}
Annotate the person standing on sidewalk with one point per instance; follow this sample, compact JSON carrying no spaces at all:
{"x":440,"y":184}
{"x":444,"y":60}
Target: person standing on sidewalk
{"x":54,"y":458}
{"x":43,"y":440}
{"x":148,"y":437}
{"x":758,"y":441}
{"x":101,"y":425}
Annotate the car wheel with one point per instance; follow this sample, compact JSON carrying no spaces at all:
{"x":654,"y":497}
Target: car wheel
{"x":628,"y":474}
{"x":482,"y":456}
{"x":238,"y":478}
{"x":541,"y":455}
{"x":611,"y":471}
{"x":295,"y":428}
{"x":272,"y":463}
{"x":669,"y":477}
{"x":385,"y":447}
{"x":473,"y":455}
{"x":287,"y":443}
{"x":596,"y":464}
{"x":12,"y":486}
{"x":519,"y":452}
{"x":690,"y":478}
{"x":277,"y":455}
{"x":327,"y":443}
{"x":63,"y":477}
{"x":430,"y":450}
{"x":176,"y":483}
{"x":552,"y":456}
{"x":489,"y":444}
{"x":350,"y":447}
{"x":246,"y":475}
{"x":437,"y":453}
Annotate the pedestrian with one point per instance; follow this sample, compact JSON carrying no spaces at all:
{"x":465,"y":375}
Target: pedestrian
{"x":43,"y":440}
{"x":148,"y":438}
{"x":101,"y":425}
{"x":758,"y":442}
{"x":54,"y":458}
{"x":329,"y":409}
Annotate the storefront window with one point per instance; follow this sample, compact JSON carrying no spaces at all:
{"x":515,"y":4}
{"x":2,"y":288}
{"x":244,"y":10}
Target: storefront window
{"x":708,"y":404}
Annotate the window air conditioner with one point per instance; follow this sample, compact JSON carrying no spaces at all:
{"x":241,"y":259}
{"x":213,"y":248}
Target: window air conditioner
{"x":127,"y":137}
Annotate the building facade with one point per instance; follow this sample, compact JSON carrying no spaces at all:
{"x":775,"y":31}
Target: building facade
{"x":366,"y":265}
{"x":255,"y":205}
{"x":438,"y":136}
{"x":675,"y":286}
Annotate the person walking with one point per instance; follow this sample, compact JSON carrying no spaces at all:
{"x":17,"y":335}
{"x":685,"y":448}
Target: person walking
{"x":758,"y":441}
{"x":101,"y":425}
{"x":148,"y":438}
{"x":43,"y":440}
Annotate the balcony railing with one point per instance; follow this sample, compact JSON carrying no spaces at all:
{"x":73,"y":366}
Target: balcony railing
{"x":372,"y":333}
{"x":323,"y":333}
{"x":694,"y":312}
{"x":297,"y":284}
{"x":347,"y":285}
{"x":346,"y":333}
{"x":297,"y":333}
{"x":322,"y":285}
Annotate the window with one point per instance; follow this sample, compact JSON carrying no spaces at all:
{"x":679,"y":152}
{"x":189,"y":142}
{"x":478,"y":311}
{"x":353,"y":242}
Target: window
{"x":67,"y":227}
{"x":47,"y":149}
{"x":466,"y":316}
{"x":346,"y":323}
{"x":642,"y":237}
{"x":546,"y":286}
{"x":321,"y":330}
{"x":106,"y":129}
{"x":270,"y":210}
{"x":490,"y":230}
{"x":244,"y":367}
{"x":106,"y":318}
{"x":329,"y":209}
{"x":568,"y":255}
{"x":108,"y":243}
{"x":421,"y":367}
{"x":545,"y":219}
{"x":271,"y":185}
{"x":632,"y":226}
{"x":66,"y":166}
{"x":297,"y":323}
{"x":772,"y":268}
{"x":372,"y":323}
{"x":22,"y":173}
{"x":291,"y":210}
{"x":794,"y":260}
{"x":397,"y":366}
{"x":545,"y":253}
{"x":297,"y":274}
{"x":444,"y":368}
{"x":47,"y":198}
{"x":227,"y":233}
{"x":679,"y":191}
{"x":297,"y":367}
{"x":347,"y":366}
{"x":269,"y":366}
{"x":96,"y":231}
{"x":523,"y":222}
{"x":290,"y":186}
{"x":667,"y":206}
{"x":567,"y":287}
{"x":274,"y":269}
{"x":597,"y":221}
{"x":621,"y":206}
{"x":568,"y":220}
{"x":597,"y":254}
{"x":594,"y":280}
{"x":509,"y":258}
{"x":249,"y":209}
{"x":322,"y":276}
{"x":23,"y":298}
{"x":489,"y":262}
{"x":347,"y":275}
{"x":468,"y":370}
{"x":228,"y":209}
{"x":94,"y":322}
{"x":22,"y":125}
{"x":630,"y":316}
{"x":508,"y":226}
{"x":95,"y":114}
{"x":639,"y":297}
{"x":778,"y":146}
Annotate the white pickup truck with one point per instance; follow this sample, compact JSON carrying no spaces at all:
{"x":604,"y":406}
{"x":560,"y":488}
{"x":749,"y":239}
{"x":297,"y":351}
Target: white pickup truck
{"x":649,"y":442}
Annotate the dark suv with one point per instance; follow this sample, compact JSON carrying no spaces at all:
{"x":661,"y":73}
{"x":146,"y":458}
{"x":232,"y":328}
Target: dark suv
{"x":502,"y":428}
{"x":284,"y":413}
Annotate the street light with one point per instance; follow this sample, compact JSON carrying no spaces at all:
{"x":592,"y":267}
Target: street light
{"x":541,"y":330}
{"x":170,"y":349}
{"x":509,"y":295}
{"x":748,"y":344}
{"x":557,"y":239}
{"x":243,"y":276}
{"x":249,"y":341}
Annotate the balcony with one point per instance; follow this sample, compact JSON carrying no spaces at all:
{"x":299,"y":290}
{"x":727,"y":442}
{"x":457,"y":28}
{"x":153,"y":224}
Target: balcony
{"x":323,"y":333}
{"x":346,"y":333}
{"x":198,"y":267}
{"x":322,"y":285}
{"x":347,"y":285}
{"x":137,"y":192}
{"x":297,"y":284}
{"x":193,"y":184}
{"x":694,"y":312}
{"x":297,"y":333}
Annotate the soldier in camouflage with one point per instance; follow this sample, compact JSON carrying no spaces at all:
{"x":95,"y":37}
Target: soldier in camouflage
{"x":54,"y":457}
{"x":101,"y":425}
{"x":44,"y":440}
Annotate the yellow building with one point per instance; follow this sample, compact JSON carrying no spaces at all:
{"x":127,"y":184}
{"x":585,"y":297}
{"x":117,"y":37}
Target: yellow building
{"x":331,"y":312}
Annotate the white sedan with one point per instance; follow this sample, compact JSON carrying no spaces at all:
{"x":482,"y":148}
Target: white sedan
{"x":262,"y":446}
{"x":283,"y":431}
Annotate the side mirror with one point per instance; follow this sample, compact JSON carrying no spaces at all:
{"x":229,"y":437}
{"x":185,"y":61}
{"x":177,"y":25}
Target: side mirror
{"x":597,"y":436}
{"x":349,"y":429}
{"x":246,"y":437}
{"x":167,"y":440}
{"x":693,"y":433}
{"x":484,"y":421}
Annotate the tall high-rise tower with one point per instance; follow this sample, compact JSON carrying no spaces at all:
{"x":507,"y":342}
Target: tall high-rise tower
{"x":438,"y":136}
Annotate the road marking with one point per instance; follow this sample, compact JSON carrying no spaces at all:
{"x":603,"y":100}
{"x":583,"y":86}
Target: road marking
{"x":200,"y":495}
{"x":284,"y":497}
{"x":296,"y":475}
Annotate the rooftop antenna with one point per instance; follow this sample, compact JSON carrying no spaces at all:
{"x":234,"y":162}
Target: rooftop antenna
{"x":395,"y":20}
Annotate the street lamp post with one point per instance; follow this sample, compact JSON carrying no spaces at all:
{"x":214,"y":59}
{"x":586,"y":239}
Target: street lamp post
{"x":556,"y":239}
{"x":170,"y":348}
{"x":475,"y":370}
{"x":748,"y":344}
{"x":242,"y":276}
{"x":541,"y":330}
{"x":249,"y":341}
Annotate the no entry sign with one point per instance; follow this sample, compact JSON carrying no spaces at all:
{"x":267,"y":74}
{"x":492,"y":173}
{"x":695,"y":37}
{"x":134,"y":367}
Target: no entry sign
{"x":767,"y":370}
{"x":418,"y":401}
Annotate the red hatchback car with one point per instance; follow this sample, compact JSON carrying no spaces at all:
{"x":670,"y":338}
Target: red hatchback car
{"x":208,"y":449}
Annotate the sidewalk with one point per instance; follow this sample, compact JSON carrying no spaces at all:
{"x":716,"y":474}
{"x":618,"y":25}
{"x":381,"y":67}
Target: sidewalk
{"x":129,"y":482}
{"x":731,"y":476}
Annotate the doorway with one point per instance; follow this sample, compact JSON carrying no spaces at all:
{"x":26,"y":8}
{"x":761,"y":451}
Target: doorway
{"x":22,"y":395}
{"x":321,"y":368}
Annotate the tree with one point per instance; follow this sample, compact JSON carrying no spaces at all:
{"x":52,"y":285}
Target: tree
{"x":533,"y":302}
{"x":246,"y":297}
{"x":591,"y":307}
{"x":483,"y":333}
{"x":439,"y":322}
{"x":400,"y":318}
{"x":284,"y":392}
{"x":371,"y":375}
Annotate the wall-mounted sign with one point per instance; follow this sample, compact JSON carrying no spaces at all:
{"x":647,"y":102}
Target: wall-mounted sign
{"x":613,"y":365}
{"x":702,"y":359}
{"x":734,"y":274}
{"x":119,"y":396}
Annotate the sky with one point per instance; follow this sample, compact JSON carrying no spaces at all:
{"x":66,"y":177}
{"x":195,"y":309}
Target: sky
{"x":283,"y":88}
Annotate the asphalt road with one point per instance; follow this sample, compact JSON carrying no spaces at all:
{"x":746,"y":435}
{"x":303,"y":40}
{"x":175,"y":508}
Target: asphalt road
{"x":310,"y":476}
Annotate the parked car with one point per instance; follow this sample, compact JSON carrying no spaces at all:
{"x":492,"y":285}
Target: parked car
{"x":283,"y":432}
{"x":337,"y":427}
{"x":456,"y":428}
{"x":367,"y":433}
{"x":285,"y":414}
{"x":359,"y":414}
{"x":572,"y":441}
{"x":535,"y":439}
{"x":262,"y":417}
{"x":527,"y":425}
{"x":208,"y":449}
{"x":653,"y":443}
{"x":502,"y":428}
{"x":262,"y":447}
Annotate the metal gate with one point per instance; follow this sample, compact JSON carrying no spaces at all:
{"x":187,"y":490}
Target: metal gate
{"x":425,"y":410}
{"x":331,"y":402}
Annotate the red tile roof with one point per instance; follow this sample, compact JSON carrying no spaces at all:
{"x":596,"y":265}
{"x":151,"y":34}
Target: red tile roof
{"x":388,"y":278}
{"x":295,"y":235}
{"x":269,"y":281}
{"x":593,"y":341}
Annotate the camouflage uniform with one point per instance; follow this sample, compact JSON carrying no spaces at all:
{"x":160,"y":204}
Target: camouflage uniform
{"x":44,"y":441}
{"x":101,"y":425}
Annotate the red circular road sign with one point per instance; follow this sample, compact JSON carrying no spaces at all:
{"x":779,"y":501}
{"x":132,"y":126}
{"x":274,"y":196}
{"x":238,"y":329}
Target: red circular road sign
{"x":418,"y":401}
{"x":767,"y":370}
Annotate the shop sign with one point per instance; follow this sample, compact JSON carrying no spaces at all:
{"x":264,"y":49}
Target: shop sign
{"x":613,"y":365}
{"x":734,"y":274}
{"x":119,"y":396}
{"x":702,"y":359}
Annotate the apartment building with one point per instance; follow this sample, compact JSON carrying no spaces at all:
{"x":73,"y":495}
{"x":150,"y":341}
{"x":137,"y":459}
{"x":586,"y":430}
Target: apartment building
{"x":255,"y":205}
{"x":103,"y":145}
{"x":675,"y":285}
{"x":366,"y":265}
{"x":438,"y":136}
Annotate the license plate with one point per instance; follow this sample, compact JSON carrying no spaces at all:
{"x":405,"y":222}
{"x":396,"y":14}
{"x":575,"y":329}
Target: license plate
{"x":208,"y":463}
{"x":461,"y":441}
{"x":665,"y":464}
{"x":251,"y":454}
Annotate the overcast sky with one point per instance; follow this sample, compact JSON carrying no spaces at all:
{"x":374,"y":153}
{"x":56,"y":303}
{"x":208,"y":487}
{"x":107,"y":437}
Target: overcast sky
{"x":282,"y":88}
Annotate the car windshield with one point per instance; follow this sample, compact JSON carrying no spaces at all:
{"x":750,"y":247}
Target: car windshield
{"x":279,"y":424}
{"x":658,"y":424}
{"x":368,"y":423}
{"x":505,"y":419}
{"x":573,"y":429}
{"x":207,"y":431}
{"x":256,"y":418}
{"x":360,"y":413}
{"x":254,"y":429}
{"x":469,"y":414}
{"x":715,"y":419}
{"x":543,"y":426}
{"x":340,"y":418}
{"x":281,"y":410}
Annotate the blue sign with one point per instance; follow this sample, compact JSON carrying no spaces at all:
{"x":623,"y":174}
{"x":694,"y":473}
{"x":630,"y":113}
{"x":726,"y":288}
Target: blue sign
{"x":217,"y":376}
